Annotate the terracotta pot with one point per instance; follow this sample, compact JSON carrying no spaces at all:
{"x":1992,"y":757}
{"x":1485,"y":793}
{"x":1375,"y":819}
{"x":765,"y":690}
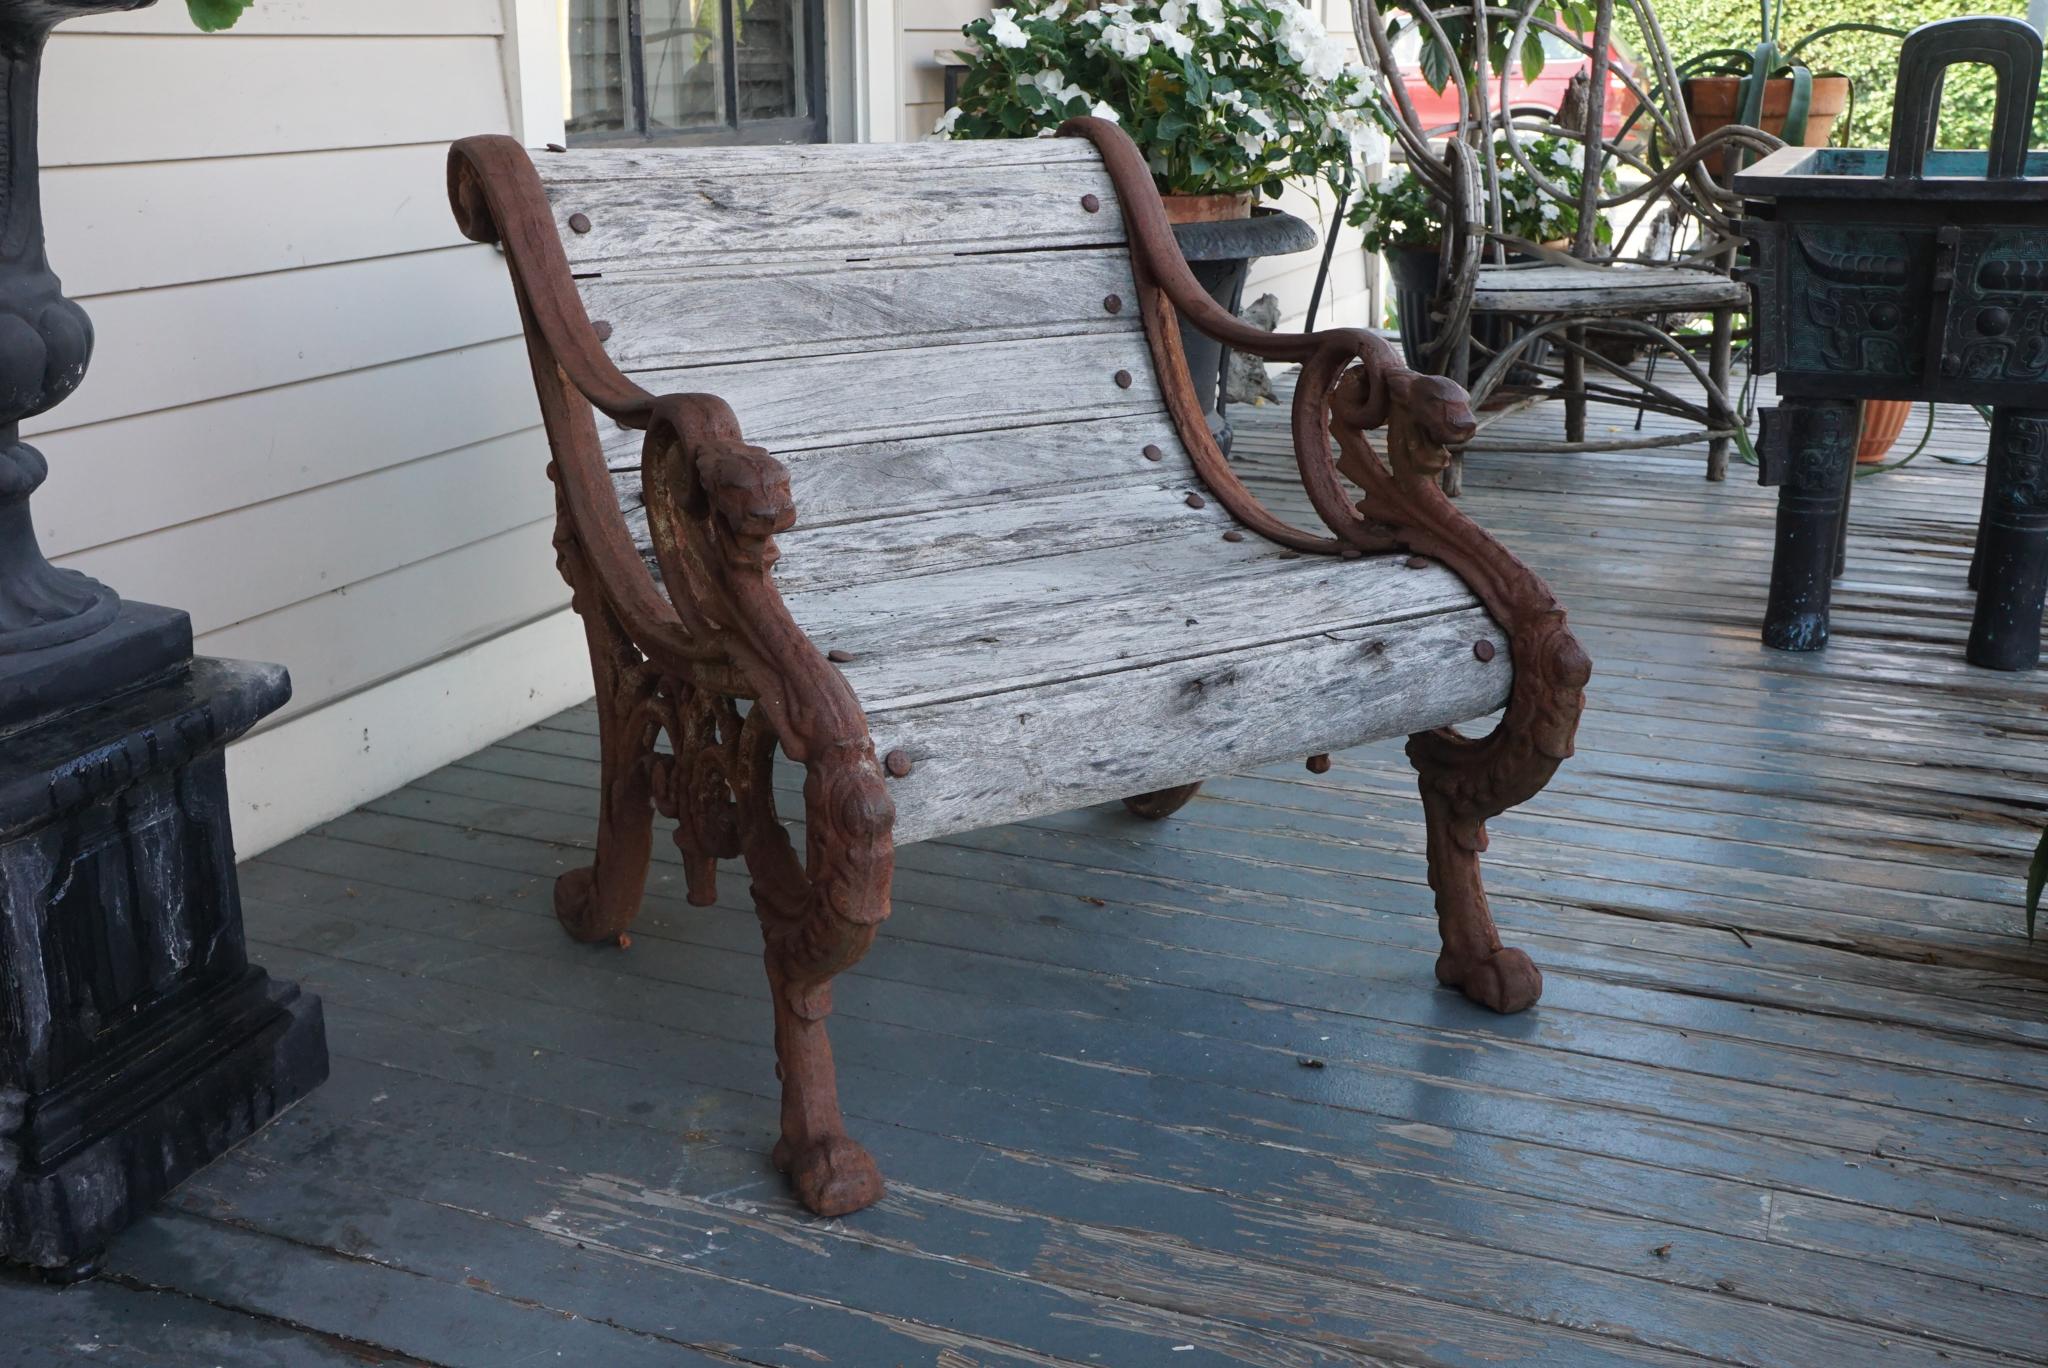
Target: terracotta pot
{"x":1713,"y":102}
{"x":1207,"y":208}
{"x":1883,"y":420}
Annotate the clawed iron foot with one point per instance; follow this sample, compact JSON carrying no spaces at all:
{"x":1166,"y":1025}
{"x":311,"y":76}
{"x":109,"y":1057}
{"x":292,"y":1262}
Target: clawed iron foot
{"x":834,"y":1176}
{"x":1506,"y":980}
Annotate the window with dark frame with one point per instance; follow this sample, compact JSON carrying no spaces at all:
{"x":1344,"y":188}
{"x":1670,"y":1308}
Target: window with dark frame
{"x":696,"y":71}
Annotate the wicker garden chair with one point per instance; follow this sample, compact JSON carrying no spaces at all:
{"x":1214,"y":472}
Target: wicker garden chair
{"x":1674,"y":237}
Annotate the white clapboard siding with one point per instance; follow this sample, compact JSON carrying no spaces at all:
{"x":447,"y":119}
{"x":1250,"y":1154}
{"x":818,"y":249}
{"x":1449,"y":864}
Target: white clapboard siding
{"x":144,"y":226}
{"x":336,"y":535}
{"x":159,"y":349}
{"x":313,"y":18}
{"x":124,"y":478}
{"x":366,"y":633}
{"x":137,"y":98}
{"x":310,"y":420}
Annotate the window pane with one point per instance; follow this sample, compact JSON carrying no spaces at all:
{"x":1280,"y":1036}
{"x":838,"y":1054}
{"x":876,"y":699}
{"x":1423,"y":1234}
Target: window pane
{"x":685,"y":65}
{"x":772,"y":44}
{"x":599,"y":97}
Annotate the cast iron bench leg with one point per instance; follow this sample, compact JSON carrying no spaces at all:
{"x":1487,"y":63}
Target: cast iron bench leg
{"x":1815,"y":445}
{"x":2012,"y":544}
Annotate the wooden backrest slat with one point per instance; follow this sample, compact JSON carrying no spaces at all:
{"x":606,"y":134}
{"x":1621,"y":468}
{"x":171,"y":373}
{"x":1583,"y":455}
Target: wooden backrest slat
{"x":927,"y":335}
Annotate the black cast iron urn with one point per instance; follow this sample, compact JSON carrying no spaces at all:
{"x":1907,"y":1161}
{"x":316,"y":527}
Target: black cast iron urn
{"x":137,"y":1042}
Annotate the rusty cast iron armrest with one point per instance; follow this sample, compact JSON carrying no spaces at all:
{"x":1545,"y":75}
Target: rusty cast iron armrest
{"x":1352,"y":383}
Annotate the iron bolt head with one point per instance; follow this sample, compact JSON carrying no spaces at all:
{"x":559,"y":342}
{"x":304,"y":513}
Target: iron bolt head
{"x":1113,"y":303}
{"x":579,"y":223}
{"x":1196,"y":501}
{"x":1233,"y":535}
{"x":556,"y":147}
{"x":1993,"y":321}
{"x":839,"y":657}
{"x":1482,"y":650}
{"x":1091,"y":204}
{"x":1153,"y":453}
{"x":897,"y":762}
{"x":602,"y":329}
{"x":1418,"y":562}
{"x":1319,"y":764}
{"x":1123,"y":379}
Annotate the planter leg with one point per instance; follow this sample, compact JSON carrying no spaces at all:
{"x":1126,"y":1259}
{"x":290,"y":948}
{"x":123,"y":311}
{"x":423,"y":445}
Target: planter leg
{"x":1810,"y":452}
{"x":1720,"y":367}
{"x":1162,"y":803}
{"x":2012,"y":543}
{"x":1575,"y":385}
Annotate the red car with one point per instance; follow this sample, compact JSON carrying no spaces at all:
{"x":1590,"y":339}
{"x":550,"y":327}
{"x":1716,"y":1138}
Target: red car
{"x":1438,"y":113}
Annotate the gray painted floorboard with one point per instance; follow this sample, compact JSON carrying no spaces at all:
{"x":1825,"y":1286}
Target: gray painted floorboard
{"x":1782,"y":1104}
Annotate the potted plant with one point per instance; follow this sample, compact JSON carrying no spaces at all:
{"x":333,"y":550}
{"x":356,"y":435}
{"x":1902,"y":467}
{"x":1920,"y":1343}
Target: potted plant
{"x":1769,"y":86}
{"x":1401,"y":219}
{"x":1228,"y":99}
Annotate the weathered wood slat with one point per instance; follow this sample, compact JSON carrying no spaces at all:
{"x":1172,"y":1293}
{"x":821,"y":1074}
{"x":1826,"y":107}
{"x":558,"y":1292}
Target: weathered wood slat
{"x":1608,"y":289}
{"x":1044,"y":621}
{"x":846,"y":400}
{"x":842,"y":484}
{"x":709,"y":311}
{"x":868,"y":208}
{"x":994,"y":759}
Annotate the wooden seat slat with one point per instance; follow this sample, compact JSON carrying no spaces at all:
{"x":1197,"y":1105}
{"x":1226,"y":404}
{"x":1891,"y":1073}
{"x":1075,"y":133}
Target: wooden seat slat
{"x":1622,"y":288}
{"x":990,"y":629}
{"x":1005,"y":756}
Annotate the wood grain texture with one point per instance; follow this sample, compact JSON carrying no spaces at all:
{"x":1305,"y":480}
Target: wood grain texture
{"x":1613,"y":289}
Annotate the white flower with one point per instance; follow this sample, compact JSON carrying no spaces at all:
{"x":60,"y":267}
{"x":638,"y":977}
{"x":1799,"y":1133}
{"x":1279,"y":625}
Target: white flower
{"x":1173,"y":13}
{"x":1056,"y":87}
{"x":1172,"y":39}
{"x":944,"y":127}
{"x":1125,"y":39}
{"x":1002,"y":27}
{"x":1103,"y":111}
{"x":1210,"y":12}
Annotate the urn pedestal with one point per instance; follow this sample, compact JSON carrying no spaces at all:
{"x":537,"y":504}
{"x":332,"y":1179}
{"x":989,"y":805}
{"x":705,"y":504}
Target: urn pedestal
{"x":137,"y":1043}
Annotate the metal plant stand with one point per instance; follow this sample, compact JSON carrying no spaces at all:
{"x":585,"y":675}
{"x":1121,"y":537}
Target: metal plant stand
{"x":1917,"y":274}
{"x":137,"y":1043}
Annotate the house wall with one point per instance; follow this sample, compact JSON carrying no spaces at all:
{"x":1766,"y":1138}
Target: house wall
{"x":308,"y":420}
{"x":931,"y":29}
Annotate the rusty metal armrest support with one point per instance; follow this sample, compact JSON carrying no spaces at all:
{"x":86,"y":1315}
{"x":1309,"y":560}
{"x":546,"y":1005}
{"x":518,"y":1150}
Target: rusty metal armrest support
{"x":678,"y":665}
{"x":1352,"y":383}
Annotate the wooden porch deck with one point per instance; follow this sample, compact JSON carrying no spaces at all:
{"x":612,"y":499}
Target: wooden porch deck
{"x":1185,"y":1093}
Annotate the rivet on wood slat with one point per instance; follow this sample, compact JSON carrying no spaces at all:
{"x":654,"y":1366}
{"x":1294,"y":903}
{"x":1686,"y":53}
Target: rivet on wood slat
{"x":602,"y":329}
{"x":1418,"y":562}
{"x":1349,"y":552}
{"x":1319,"y":764}
{"x":1123,"y":379}
{"x":556,"y":147}
{"x":839,"y":657}
{"x":1233,"y":535}
{"x":1113,"y":303}
{"x":897,"y":763}
{"x":1482,"y":649}
{"x":579,"y":223}
{"x":1195,"y":500}
{"x":1090,"y":203}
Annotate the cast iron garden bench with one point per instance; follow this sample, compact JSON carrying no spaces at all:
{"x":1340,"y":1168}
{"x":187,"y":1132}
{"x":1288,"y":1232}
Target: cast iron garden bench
{"x":925,"y":500}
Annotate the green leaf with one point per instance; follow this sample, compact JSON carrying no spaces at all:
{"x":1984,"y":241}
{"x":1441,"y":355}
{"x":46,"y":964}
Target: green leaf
{"x":1532,"y":55}
{"x":1796,"y":108}
{"x":214,"y":15}
{"x":2037,"y":879}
